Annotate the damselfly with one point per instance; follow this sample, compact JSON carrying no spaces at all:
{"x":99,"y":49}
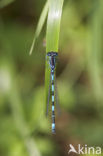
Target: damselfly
{"x":52,"y":57}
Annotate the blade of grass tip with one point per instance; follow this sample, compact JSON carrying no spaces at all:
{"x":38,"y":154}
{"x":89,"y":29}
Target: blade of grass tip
{"x":39,"y":25}
{"x":52,"y":34}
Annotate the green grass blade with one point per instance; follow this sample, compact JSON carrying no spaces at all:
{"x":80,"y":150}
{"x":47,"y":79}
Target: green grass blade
{"x":52,"y":34}
{"x":39,"y":26}
{"x":53,"y":24}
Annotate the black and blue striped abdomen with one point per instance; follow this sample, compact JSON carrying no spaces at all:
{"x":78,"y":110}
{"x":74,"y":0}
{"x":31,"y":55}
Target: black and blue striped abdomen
{"x":53,"y":108}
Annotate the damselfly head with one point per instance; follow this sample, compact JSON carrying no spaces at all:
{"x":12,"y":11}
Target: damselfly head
{"x":52,"y":54}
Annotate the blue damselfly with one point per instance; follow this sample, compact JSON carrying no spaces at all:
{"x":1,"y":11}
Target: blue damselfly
{"x":52,"y":57}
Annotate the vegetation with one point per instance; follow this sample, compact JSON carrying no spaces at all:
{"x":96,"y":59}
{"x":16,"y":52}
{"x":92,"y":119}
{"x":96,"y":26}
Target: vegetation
{"x":24,"y":129}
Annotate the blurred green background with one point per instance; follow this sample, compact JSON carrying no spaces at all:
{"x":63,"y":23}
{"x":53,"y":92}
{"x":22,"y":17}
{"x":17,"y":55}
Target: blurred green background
{"x":24,"y":129}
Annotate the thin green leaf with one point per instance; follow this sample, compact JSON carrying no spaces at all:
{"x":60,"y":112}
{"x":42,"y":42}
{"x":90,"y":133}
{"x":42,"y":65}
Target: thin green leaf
{"x":52,"y":34}
{"x":53,"y":24}
{"x":39,"y":26}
